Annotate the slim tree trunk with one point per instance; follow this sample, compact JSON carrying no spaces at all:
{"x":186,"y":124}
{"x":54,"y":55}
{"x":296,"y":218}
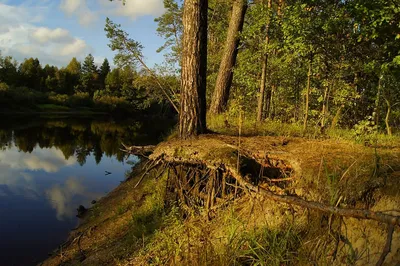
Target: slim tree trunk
{"x":325,"y":105}
{"x":307,"y":94}
{"x":225,"y":73}
{"x":192,"y":116}
{"x":387,"y":119}
{"x":271,"y":104}
{"x":337,"y":117}
{"x":375,"y":114}
{"x":261,"y":96}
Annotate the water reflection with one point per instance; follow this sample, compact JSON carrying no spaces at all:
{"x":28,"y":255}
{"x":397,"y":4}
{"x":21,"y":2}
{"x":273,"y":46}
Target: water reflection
{"x":50,"y":166}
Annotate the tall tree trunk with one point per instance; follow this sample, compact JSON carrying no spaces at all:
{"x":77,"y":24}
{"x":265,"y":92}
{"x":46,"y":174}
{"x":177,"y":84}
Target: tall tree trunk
{"x":387,"y":119}
{"x":192,"y":116}
{"x":271,"y":104}
{"x":375,"y":114}
{"x":225,"y":73}
{"x":325,"y":105}
{"x":307,"y":94}
{"x":261,"y":96}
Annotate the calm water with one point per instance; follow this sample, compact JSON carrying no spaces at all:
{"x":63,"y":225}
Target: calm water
{"x":50,"y":166}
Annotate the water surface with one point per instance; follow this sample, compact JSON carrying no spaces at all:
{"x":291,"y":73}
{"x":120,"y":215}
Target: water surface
{"x":50,"y":166}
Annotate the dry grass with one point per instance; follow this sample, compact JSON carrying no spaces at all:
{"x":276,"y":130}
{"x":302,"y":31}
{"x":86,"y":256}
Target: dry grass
{"x":131,"y":227}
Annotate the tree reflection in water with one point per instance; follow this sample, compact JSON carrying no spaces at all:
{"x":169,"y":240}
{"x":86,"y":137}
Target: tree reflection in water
{"x":80,"y":137}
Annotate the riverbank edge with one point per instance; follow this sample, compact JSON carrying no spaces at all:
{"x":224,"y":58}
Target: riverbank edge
{"x":377,"y":234}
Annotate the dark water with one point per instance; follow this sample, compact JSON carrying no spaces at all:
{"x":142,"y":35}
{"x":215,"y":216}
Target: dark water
{"x":50,"y":166}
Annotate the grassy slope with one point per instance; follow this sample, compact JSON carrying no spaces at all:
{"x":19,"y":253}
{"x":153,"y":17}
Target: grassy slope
{"x":131,"y":227}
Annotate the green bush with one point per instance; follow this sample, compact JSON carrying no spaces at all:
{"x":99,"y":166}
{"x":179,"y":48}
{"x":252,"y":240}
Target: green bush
{"x":111,"y":103}
{"x":3,"y":87}
{"x":80,"y":99}
{"x":62,"y":99}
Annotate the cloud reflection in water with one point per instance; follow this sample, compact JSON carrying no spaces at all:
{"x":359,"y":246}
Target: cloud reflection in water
{"x":63,"y":197}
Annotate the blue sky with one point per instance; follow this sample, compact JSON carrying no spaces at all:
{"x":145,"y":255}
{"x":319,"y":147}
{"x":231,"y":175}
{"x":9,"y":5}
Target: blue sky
{"x":57,"y":30}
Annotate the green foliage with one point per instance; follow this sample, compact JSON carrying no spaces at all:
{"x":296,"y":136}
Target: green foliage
{"x":170,"y":28}
{"x":111,"y":103}
{"x":129,"y":50}
{"x":3,"y":87}
{"x":365,"y":130}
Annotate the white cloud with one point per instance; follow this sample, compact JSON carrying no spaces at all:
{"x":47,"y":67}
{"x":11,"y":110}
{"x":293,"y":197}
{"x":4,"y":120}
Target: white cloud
{"x":74,"y":48}
{"x":137,"y":8}
{"x":71,"y":6}
{"x":80,"y":9}
{"x":133,"y":8}
{"x":57,"y":35}
{"x":21,"y":38}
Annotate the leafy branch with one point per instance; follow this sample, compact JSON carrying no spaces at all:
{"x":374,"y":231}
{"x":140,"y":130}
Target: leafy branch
{"x":130,"y":53}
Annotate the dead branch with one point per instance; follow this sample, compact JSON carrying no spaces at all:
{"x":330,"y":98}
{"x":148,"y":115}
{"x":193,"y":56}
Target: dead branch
{"x":388,"y":245}
{"x":155,"y":164}
{"x":354,"y":213}
{"x":139,"y":150}
{"x":281,"y":179}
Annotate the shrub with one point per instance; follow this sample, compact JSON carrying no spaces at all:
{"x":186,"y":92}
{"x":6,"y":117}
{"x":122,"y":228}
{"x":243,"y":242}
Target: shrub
{"x":3,"y":86}
{"x":62,"y":99}
{"x":111,"y":103}
{"x":80,"y":99}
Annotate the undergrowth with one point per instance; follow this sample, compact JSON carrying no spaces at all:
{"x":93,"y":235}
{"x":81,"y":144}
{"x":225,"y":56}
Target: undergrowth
{"x":229,"y":125}
{"x":193,"y":241}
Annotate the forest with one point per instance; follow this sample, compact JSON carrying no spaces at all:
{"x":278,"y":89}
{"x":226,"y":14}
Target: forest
{"x":82,"y":87}
{"x":326,"y":64}
{"x":322,"y":63}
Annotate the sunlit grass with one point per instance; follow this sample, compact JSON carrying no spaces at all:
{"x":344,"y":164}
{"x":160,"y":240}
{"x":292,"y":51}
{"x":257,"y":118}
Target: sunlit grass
{"x":229,"y":125}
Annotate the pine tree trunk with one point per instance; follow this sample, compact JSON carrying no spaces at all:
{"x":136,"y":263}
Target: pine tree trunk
{"x":307,"y":95}
{"x":192,"y":116}
{"x":228,"y":61}
{"x":261,"y":96}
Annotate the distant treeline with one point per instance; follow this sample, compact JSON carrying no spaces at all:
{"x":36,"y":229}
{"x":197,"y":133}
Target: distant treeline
{"x":77,"y":87}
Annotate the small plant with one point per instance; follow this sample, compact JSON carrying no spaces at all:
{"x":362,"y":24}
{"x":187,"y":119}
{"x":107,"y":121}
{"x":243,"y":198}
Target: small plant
{"x":364,"y":130}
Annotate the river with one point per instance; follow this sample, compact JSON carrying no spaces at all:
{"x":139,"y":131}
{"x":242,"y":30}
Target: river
{"x":51,"y":165}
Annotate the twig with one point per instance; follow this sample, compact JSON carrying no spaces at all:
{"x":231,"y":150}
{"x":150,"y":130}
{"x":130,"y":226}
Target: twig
{"x":281,"y":179}
{"x":155,"y":164}
{"x":388,"y":245}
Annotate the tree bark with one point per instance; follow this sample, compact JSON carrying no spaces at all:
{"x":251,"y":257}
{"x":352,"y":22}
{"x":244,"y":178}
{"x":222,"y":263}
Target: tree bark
{"x":307,"y":94}
{"x":261,"y":96}
{"x":225,"y":73}
{"x":192,"y":116}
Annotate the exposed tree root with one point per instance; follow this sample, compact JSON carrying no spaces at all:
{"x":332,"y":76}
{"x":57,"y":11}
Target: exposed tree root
{"x":210,"y":183}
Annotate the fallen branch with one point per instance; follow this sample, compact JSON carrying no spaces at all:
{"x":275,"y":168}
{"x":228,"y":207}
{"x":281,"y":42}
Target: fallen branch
{"x":139,"y":150}
{"x":281,"y":179}
{"x":354,"y":213}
